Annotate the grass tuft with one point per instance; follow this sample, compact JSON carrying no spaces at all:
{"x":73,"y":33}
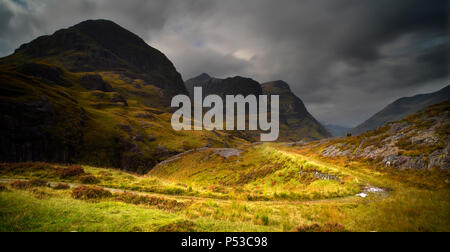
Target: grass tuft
{"x":61,"y":186}
{"x":178,"y":227}
{"x":89,"y":179}
{"x":159,"y":202}
{"x":327,"y":228}
{"x":3,"y":188}
{"x":21,"y":185}
{"x":89,"y":192}
{"x":71,"y":171}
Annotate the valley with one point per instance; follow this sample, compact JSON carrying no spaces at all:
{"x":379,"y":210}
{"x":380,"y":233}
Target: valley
{"x":87,"y":144}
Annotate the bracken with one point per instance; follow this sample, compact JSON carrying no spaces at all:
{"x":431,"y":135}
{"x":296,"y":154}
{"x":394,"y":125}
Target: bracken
{"x":3,"y":188}
{"x":89,"y":179}
{"x":28,"y":184}
{"x":177,"y":227}
{"x":71,"y":171}
{"x":327,"y":228}
{"x":159,"y":202}
{"x":90,"y":192}
{"x":61,"y":186}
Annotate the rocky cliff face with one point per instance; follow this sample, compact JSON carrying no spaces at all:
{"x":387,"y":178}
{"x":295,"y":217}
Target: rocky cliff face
{"x":296,"y":122}
{"x":38,"y":129}
{"x":222,"y":87}
{"x":402,"y":108}
{"x":101,"y":45}
{"x":420,"y":141}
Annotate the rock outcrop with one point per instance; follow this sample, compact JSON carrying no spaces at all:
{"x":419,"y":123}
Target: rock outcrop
{"x":222,"y":87}
{"x":45,"y":72}
{"x":402,"y":108}
{"x":37,"y":131}
{"x":420,"y":142}
{"x":297,"y":122}
{"x":95,"y":82}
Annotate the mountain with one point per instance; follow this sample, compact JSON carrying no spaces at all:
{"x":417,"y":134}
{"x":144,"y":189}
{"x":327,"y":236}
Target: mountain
{"x":337,"y":130}
{"x":402,"y":108}
{"x":296,"y":123}
{"x":222,"y":87}
{"x":96,"y":94}
{"x":101,"y":45}
{"x":419,"y":142}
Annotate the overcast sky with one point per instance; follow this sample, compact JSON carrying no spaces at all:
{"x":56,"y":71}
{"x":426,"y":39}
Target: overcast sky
{"x":345,"y":59}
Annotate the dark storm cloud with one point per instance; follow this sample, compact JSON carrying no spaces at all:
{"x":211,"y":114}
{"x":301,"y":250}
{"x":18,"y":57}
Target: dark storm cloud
{"x":381,"y":22}
{"x":346,"y":59}
{"x":5,"y":17}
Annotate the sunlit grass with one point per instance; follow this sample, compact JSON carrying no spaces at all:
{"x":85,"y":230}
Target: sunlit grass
{"x":407,"y":205}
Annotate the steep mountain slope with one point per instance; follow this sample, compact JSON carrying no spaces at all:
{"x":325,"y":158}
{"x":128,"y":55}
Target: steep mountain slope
{"x":96,"y":94}
{"x":222,"y":87}
{"x":101,"y":45}
{"x":420,"y":141}
{"x":296,"y":123}
{"x":402,"y":108}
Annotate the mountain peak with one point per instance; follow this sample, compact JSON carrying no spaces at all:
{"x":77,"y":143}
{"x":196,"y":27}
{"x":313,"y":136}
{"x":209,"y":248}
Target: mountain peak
{"x":97,"y":22}
{"x":202,"y":77}
{"x":108,"y":33}
{"x":240,"y":78}
{"x":297,"y":123}
{"x":100,"y":46}
{"x":278,"y":84}
{"x":101,"y":31}
{"x":279,"y":87}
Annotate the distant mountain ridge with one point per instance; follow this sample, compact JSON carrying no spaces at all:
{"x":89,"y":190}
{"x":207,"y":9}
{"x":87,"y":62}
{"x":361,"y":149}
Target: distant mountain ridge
{"x":336,"y":130}
{"x":296,"y":122}
{"x":222,"y":87}
{"x":402,"y":108}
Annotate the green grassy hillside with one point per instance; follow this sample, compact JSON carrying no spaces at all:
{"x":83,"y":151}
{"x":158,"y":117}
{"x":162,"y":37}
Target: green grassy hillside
{"x":95,"y":127}
{"x":259,"y":172}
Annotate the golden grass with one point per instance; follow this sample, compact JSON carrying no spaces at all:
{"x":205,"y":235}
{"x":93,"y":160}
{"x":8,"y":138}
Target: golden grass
{"x":406,"y":206}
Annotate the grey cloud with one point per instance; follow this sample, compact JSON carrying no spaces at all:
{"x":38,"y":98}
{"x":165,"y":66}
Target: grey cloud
{"x":5,"y":18}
